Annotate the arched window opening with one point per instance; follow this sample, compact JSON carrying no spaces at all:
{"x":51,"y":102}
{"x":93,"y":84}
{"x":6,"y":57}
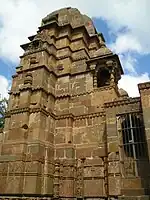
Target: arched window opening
{"x":103,"y":77}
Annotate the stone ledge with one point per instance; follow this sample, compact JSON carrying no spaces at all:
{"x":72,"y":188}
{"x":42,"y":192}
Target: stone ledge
{"x":144,"y":197}
{"x":50,"y":113}
{"x":134,"y":192}
{"x":143,"y":86}
{"x":25,"y":197}
{"x":122,"y":102}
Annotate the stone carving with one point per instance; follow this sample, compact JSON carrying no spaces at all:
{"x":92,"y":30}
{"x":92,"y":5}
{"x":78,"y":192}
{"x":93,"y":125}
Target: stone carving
{"x":63,"y":104}
{"x":56,"y":179}
{"x":28,"y":79}
{"x":79,"y":179}
{"x":43,"y":36}
{"x":103,"y":51}
{"x":129,"y":167}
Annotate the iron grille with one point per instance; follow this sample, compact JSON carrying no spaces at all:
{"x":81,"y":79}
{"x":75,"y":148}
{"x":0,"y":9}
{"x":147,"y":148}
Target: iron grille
{"x":133,"y":151}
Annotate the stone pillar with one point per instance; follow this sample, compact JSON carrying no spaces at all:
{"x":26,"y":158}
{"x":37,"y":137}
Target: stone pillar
{"x":144,"y":89}
{"x":14,"y":144}
{"x":114,"y":176}
{"x":80,"y":179}
{"x":27,"y":152}
{"x":56,"y":179}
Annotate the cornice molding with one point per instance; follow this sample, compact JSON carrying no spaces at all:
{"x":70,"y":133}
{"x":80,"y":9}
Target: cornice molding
{"x":52,"y":114}
{"x":144,"y":86}
{"x":122,"y":102}
{"x":50,"y":71}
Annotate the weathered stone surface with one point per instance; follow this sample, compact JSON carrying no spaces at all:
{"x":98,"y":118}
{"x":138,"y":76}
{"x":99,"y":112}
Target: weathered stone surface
{"x":99,"y":152}
{"x":63,"y":135}
{"x":97,"y":188}
{"x":113,"y":147}
{"x":70,"y":152}
{"x":93,"y":171}
{"x":114,"y":186}
{"x":84,"y":152}
{"x":67,"y":188}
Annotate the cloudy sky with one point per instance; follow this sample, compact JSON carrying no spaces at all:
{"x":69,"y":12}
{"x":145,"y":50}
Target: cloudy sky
{"x":124,"y":23}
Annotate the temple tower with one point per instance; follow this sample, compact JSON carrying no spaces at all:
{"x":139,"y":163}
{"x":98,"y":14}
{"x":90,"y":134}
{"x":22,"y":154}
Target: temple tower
{"x":60,"y":138}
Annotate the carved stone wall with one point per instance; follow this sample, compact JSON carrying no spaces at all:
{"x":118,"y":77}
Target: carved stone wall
{"x":60,"y":137}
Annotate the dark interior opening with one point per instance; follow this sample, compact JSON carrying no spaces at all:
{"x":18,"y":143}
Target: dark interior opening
{"x":103,"y":77}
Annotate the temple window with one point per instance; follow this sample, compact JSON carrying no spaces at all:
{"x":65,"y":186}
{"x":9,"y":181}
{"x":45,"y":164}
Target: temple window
{"x":103,"y":77}
{"x":133,"y":147}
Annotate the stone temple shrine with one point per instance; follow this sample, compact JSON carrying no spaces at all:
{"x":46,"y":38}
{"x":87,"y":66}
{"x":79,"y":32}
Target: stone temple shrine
{"x":70,"y":132}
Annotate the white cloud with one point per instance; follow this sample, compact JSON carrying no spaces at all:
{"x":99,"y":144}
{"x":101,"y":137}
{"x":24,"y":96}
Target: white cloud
{"x":129,"y":83}
{"x":126,"y":43}
{"x":4,"y":87}
{"x":20,"y":19}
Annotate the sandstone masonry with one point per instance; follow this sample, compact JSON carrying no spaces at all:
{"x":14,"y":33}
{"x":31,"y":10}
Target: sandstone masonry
{"x":70,"y":133}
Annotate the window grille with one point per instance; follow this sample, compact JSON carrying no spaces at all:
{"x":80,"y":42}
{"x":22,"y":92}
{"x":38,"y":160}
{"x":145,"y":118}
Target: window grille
{"x":133,"y":149}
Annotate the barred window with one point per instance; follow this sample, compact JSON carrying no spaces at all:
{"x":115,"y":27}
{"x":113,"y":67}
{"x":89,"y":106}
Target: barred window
{"x":133,"y":149}
{"x":133,"y":136}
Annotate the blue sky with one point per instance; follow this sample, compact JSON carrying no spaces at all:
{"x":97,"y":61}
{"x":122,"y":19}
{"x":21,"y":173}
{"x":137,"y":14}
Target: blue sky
{"x":126,"y":32}
{"x":143,"y":61}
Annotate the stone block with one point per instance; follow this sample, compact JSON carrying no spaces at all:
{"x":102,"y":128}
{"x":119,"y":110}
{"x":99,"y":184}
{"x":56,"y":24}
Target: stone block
{"x":79,"y":110}
{"x":114,"y":185}
{"x":3,"y":168}
{"x":143,"y":197}
{"x":132,"y":192}
{"x":3,"y":184}
{"x":32,"y":185}
{"x":50,"y":154}
{"x":99,"y":152}
{"x":113,"y":147}
{"x":93,"y":162}
{"x":84,"y":152}
{"x":128,"y":183}
{"x":146,"y":116}
{"x":114,"y":167}
{"x":34,"y":168}
{"x":93,"y":135}
{"x":97,"y":190}
{"x":49,"y":136}
{"x":24,"y":98}
{"x":49,"y":168}
{"x":113,"y":156}
{"x":70,"y":152}
{"x":111,"y":130}
{"x":16,"y":167}
{"x":12,"y":149}
{"x":16,"y":182}
{"x":80,"y":123}
{"x":94,"y":171}
{"x":59,"y":135}
{"x":47,"y":188}
{"x":61,"y":123}
{"x":60,"y":153}
{"x":68,"y":171}
{"x":17,"y":134}
{"x":78,"y":134}
{"x":67,"y":188}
